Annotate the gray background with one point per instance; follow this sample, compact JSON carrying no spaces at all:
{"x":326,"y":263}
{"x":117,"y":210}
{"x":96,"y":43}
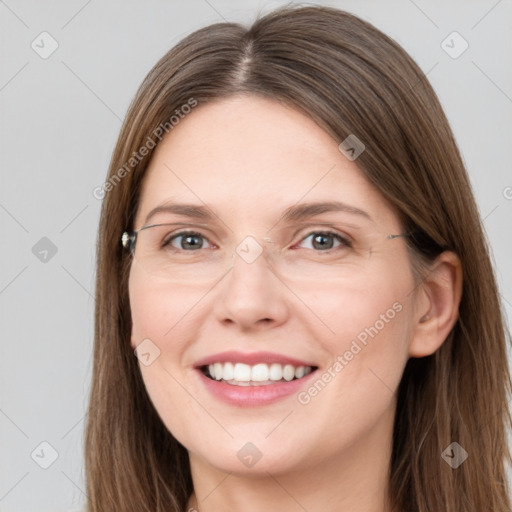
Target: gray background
{"x":60,"y":117}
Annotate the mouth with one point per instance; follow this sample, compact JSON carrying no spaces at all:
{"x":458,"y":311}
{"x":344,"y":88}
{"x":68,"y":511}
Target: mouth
{"x":243,"y":379}
{"x":260,"y":374}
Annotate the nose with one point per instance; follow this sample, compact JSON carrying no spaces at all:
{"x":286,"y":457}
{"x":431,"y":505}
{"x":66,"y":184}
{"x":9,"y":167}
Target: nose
{"x":252,"y":296}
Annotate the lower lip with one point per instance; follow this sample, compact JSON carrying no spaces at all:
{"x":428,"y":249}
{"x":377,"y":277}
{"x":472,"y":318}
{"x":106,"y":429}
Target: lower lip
{"x":249,"y":396}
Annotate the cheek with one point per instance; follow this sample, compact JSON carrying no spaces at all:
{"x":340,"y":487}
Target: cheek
{"x":166,"y":315}
{"x":365,"y":329}
{"x":160,"y":310}
{"x":365,"y":305}
{"x":367,"y":355}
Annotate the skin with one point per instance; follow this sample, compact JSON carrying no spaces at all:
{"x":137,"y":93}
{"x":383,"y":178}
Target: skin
{"x":249,"y":159}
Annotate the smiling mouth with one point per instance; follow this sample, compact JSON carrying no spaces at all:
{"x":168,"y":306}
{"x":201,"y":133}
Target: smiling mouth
{"x":261,"y":374}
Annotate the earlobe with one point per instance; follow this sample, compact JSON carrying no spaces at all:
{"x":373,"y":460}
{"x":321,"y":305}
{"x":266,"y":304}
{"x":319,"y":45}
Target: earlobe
{"x":437,"y":305}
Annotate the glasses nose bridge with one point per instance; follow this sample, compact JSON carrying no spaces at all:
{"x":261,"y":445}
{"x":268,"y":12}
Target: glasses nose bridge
{"x":251,"y":248}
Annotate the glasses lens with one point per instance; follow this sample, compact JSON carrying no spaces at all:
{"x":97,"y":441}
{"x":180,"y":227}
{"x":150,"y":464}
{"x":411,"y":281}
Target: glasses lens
{"x":166,"y":252}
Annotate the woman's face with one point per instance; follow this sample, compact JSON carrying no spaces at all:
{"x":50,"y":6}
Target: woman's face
{"x":264,"y":292}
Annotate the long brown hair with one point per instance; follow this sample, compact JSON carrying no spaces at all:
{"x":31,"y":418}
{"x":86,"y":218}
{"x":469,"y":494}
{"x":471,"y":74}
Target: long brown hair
{"x":351,"y":79}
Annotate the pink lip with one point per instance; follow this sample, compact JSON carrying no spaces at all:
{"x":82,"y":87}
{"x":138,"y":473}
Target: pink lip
{"x":250,"y":396}
{"x":253,"y":358}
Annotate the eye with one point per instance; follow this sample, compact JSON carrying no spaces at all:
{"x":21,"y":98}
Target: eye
{"x":325,"y":240}
{"x":190,"y":241}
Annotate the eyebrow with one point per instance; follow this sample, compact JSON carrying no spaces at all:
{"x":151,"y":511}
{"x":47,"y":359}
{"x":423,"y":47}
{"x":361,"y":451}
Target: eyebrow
{"x":186,"y":210}
{"x":295,"y":213}
{"x":304,"y":211}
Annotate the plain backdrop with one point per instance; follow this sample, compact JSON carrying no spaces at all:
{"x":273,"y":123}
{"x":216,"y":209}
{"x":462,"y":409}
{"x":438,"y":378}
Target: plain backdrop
{"x":60,"y":116}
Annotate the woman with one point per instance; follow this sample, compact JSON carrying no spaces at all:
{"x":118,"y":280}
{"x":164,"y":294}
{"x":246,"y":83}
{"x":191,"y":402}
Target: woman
{"x":295,"y":306}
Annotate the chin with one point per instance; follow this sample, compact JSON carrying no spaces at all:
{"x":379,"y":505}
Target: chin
{"x":248,"y":458}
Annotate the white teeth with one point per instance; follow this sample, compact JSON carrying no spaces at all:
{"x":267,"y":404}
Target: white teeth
{"x":217,"y":367}
{"x":228,"y":371}
{"x":299,"y":372}
{"x":242,"y":372}
{"x":288,"y":372}
{"x":276,"y":371}
{"x":261,"y":373}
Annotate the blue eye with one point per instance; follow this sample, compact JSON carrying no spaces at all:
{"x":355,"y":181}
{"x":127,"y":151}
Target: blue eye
{"x":324,"y":240}
{"x":190,"y":241}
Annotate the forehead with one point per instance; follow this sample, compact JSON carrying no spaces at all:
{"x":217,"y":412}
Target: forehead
{"x":254,"y":157}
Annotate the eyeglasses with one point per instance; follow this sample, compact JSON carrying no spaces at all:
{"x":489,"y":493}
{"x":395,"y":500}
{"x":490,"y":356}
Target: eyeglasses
{"x":172,"y":252}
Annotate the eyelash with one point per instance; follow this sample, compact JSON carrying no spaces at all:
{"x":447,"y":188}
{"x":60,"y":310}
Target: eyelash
{"x":344,"y":241}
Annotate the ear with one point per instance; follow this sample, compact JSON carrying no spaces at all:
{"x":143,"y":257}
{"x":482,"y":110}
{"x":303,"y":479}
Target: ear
{"x":437,"y":305}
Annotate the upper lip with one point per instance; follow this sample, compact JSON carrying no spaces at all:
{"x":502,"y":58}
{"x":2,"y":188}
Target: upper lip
{"x":250,"y":358}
